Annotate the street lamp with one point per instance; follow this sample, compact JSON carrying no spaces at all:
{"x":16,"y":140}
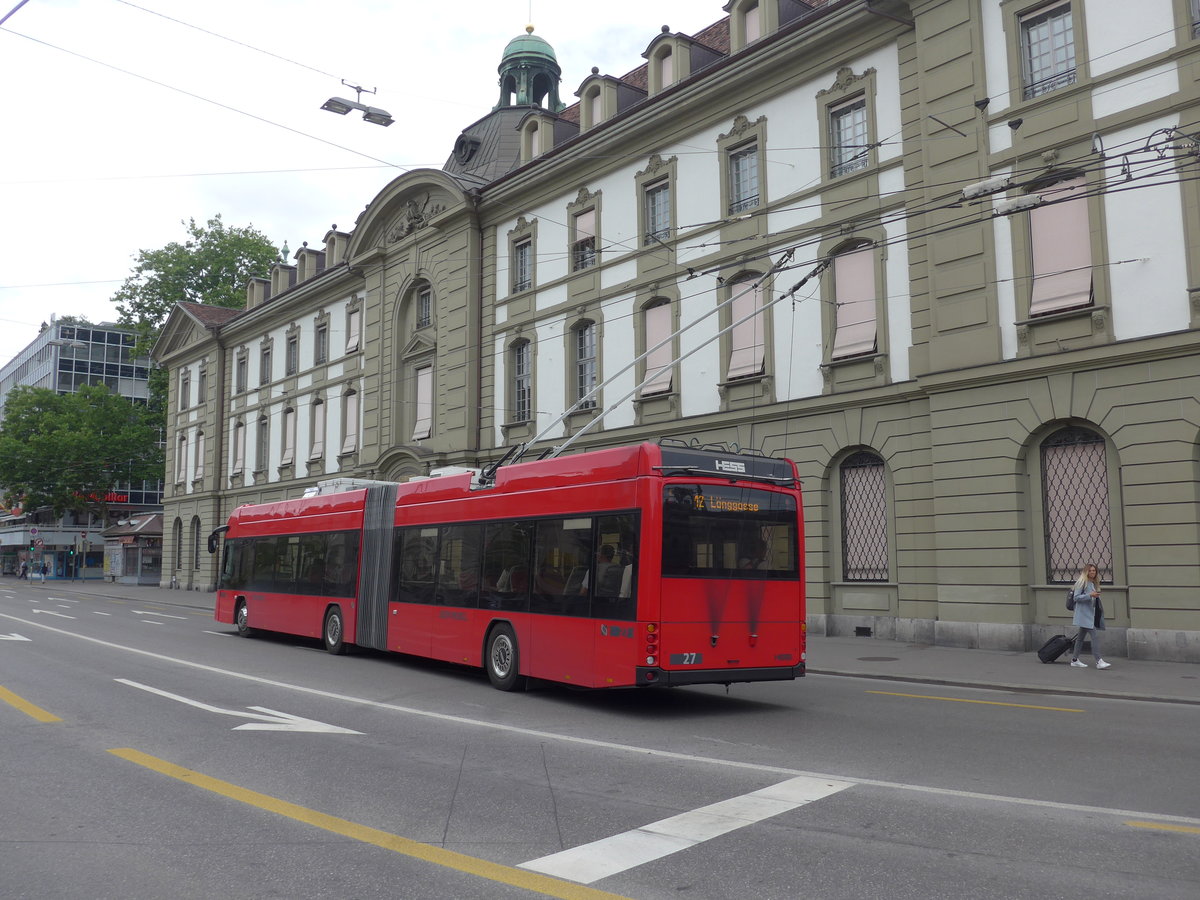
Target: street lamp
{"x":372,"y":114}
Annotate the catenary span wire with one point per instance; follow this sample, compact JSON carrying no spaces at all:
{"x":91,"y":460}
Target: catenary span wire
{"x":819,"y":230}
{"x":203,"y":99}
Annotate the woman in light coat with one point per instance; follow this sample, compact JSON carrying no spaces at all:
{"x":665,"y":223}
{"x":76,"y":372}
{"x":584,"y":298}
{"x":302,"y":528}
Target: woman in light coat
{"x":1089,"y":616}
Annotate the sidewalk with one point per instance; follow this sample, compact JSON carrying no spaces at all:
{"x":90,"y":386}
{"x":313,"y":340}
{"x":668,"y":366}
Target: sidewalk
{"x":859,"y":657}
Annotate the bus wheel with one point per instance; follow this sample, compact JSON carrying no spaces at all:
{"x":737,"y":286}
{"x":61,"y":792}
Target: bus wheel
{"x":241,"y":619}
{"x":334,"y":631}
{"x":502,"y":659}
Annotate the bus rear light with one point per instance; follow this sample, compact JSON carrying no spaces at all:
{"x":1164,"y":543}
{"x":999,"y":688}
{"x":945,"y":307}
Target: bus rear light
{"x":652,"y":660}
{"x":651,"y":628}
{"x":650,"y":648}
{"x":754,"y":640}
{"x":652,"y":639}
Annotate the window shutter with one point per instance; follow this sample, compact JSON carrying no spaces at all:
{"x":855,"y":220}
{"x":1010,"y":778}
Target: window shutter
{"x":854,"y":288}
{"x":658,"y":328}
{"x":748,"y":342}
{"x":1062,"y":250}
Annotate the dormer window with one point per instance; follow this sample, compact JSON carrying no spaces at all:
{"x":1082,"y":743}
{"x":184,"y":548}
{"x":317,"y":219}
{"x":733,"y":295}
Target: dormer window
{"x":666,"y":68}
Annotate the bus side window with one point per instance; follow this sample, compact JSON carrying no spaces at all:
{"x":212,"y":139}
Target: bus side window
{"x":458,"y":565}
{"x":614,"y":594}
{"x":506,"y":566}
{"x":418,"y":548}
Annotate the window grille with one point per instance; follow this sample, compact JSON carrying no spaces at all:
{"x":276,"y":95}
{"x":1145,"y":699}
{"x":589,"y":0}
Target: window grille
{"x":864,"y":518}
{"x":1048,"y":50}
{"x":1075,"y":500}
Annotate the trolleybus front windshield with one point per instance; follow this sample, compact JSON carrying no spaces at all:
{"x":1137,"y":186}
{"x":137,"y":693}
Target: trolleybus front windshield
{"x":722,"y":531}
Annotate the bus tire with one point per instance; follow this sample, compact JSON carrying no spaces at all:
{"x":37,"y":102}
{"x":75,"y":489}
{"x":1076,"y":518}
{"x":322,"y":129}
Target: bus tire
{"x":334,"y":631}
{"x":241,"y":618}
{"x":502,"y":659}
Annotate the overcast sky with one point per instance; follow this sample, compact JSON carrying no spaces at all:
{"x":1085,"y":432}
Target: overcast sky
{"x":123,"y":118}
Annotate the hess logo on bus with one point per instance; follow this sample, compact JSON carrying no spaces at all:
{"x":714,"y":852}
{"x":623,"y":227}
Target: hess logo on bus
{"x":727,"y":465}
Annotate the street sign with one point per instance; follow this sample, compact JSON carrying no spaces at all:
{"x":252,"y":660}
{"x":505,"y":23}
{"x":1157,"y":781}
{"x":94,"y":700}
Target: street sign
{"x":33,"y":530}
{"x":37,"y":542}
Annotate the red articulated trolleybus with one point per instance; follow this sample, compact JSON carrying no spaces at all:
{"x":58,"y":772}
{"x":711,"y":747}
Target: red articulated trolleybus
{"x":656,"y":564}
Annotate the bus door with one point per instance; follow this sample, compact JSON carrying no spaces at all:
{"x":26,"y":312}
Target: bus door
{"x":561,"y":643}
{"x":410,"y":611}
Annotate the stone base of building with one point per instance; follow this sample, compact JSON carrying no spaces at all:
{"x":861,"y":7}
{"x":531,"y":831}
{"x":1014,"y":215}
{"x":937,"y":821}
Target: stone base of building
{"x":1133,"y":643}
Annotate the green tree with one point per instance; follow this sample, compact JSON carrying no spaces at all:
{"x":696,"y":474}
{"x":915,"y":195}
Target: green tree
{"x":67,"y":451}
{"x":212,"y":266}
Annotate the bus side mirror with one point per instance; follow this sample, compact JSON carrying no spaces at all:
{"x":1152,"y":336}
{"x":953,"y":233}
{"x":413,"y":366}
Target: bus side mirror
{"x":212,"y":543}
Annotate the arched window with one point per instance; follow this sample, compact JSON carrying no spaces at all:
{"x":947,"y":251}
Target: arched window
{"x":177,"y":534}
{"x":864,"y":518}
{"x":196,"y":543}
{"x":1075,"y":503}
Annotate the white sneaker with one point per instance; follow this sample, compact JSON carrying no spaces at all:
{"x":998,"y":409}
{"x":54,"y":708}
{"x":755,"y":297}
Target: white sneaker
{"x":1101,"y":664}
{"x":1079,"y":663}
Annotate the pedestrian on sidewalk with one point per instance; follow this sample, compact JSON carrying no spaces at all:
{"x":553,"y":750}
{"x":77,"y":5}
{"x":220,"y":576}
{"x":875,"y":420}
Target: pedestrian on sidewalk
{"x":1089,"y":616}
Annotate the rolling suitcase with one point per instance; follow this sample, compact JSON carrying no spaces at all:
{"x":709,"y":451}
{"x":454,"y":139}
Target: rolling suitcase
{"x":1055,"y":647}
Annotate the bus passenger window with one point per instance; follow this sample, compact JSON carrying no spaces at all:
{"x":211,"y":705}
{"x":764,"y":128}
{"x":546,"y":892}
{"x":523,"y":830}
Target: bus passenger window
{"x":458,"y":566}
{"x":417,"y":548}
{"x":506,"y":558}
{"x":613,"y":596}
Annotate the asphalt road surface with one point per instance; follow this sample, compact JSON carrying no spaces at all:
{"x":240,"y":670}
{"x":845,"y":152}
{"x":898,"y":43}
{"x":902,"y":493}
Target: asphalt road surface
{"x":148,"y":752}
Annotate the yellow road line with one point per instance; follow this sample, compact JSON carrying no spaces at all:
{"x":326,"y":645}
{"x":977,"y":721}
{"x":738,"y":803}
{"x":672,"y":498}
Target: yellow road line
{"x":985,"y":702}
{"x":530,"y":881}
{"x":1162,"y":826}
{"x":26,"y":707}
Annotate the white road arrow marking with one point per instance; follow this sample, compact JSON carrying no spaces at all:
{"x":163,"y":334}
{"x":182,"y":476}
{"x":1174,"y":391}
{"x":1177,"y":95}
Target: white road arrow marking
{"x":50,"y":612}
{"x":12,"y":637}
{"x":274,"y":720}
{"x":157,"y":615}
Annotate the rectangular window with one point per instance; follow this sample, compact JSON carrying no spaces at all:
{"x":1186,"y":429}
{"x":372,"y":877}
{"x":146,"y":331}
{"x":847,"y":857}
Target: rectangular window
{"x":424,"y":424}
{"x":743,"y":179}
{"x":666,"y":68}
{"x":424,"y":307}
{"x":1062,"y":249}
{"x":321,"y":344}
{"x":522,"y":266}
{"x":317,"y":448}
{"x":292,"y":356}
{"x":199,"y":455}
{"x":750,"y":22}
{"x":185,"y":389}
{"x":289,"y":438}
{"x":583,"y":250}
{"x":585,"y":364}
{"x":264,"y":365}
{"x":202,"y":386}
{"x":848,"y":137}
{"x":658,"y":212}
{"x":239,"y":448}
{"x":263,"y":447}
{"x":855,"y":330}
{"x":181,"y":460}
{"x":522,"y":383}
{"x":747,"y":340}
{"x":353,"y":330}
{"x":239,"y":374}
{"x":1047,"y":50}
{"x":658,"y":330}
{"x":350,"y":422}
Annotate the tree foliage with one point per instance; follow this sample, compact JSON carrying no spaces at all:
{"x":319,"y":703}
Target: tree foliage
{"x":211,"y":267}
{"x":67,"y":451}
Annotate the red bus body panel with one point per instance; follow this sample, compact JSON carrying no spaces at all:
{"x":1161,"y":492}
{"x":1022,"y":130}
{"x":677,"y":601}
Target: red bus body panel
{"x":753,"y":628}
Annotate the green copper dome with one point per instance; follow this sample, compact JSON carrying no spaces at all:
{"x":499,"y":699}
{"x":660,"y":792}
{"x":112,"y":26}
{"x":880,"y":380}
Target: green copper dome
{"x":528,"y":44}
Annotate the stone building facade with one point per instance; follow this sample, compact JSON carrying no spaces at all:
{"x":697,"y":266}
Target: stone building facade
{"x":939,"y":253}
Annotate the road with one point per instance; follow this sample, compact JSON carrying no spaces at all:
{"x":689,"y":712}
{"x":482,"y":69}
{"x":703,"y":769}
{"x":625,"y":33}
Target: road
{"x":150,"y":752}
